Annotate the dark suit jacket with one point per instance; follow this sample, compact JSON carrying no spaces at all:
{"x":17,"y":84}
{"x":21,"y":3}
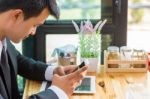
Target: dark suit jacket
{"x":27,"y":68}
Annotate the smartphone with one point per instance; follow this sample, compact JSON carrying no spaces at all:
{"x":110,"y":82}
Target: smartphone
{"x":80,"y":66}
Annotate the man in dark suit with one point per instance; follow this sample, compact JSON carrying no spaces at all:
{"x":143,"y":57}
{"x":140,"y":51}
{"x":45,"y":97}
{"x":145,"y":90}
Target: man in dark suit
{"x":18,"y":20}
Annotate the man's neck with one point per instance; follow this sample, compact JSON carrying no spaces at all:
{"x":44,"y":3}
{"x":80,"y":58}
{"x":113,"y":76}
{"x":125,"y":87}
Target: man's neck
{"x":1,"y":36}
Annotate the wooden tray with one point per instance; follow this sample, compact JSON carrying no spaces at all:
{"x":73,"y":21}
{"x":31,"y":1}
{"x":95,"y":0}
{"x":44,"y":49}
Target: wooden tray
{"x":131,"y":65}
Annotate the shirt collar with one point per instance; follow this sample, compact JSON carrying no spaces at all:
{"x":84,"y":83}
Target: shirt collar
{"x":2,"y":44}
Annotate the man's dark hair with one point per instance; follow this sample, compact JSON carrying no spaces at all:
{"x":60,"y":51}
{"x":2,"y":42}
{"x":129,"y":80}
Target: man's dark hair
{"x":30,"y":8}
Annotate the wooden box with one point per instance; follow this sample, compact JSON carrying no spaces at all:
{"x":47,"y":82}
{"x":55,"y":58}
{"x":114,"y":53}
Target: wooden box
{"x":118,"y":65}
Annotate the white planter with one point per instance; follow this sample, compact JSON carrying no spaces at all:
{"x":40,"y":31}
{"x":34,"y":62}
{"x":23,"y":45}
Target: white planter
{"x":92,"y":63}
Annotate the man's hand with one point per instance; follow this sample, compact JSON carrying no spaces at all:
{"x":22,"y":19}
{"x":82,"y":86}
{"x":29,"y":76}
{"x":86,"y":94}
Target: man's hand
{"x":63,"y":70}
{"x":69,"y":82}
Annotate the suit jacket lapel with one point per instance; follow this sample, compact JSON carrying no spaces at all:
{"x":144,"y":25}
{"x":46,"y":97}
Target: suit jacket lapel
{"x":7,"y":82}
{"x":12,"y":56}
{"x":3,"y":89}
{"x":13,"y":65}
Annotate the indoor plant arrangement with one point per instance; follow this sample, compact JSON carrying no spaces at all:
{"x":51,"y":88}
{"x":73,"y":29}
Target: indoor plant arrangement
{"x":89,"y":39}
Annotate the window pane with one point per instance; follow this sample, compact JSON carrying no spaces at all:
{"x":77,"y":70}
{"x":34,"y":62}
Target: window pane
{"x":139,"y":24}
{"x":107,"y":10}
{"x":106,"y":41}
{"x":57,"y":40}
{"x":85,"y":9}
{"x":79,"y":9}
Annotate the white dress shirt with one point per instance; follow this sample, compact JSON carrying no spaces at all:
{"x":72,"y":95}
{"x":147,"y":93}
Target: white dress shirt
{"x":48,"y":75}
{"x":2,"y":43}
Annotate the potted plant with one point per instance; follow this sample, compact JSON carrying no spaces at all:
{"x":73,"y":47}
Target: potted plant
{"x":90,"y":42}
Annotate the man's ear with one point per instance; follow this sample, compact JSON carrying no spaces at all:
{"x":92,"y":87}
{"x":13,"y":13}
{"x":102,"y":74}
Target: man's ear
{"x":17,"y":14}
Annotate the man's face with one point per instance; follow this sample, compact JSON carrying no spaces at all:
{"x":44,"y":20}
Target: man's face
{"x":19,"y":29}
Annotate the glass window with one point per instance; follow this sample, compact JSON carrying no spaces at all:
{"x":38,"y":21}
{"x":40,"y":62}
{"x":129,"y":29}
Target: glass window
{"x":85,"y":9}
{"x":107,"y":10}
{"x":79,"y":9}
{"x":138,"y":24}
{"x":59,"y":40}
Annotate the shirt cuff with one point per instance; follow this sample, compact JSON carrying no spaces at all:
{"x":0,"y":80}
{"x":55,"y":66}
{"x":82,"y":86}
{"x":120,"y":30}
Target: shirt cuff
{"x":59,"y":92}
{"x":49,"y":72}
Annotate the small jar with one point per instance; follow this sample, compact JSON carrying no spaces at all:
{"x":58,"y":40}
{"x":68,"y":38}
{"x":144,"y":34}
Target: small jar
{"x":125,"y":54}
{"x":138,"y":54}
{"x":113,"y":54}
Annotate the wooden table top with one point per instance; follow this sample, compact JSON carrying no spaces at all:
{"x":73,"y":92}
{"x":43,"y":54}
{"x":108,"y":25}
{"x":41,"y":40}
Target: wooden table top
{"x":113,"y":85}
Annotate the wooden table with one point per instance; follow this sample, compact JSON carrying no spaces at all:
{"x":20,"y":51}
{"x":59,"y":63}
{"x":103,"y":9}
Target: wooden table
{"x":116,"y":85}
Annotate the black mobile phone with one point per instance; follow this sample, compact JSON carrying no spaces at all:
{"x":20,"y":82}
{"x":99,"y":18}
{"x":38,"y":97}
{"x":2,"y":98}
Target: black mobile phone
{"x":80,"y":66}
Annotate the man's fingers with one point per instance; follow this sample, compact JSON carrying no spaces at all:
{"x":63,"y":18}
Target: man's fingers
{"x":77,"y":74}
{"x":60,"y":71}
{"x":82,"y":69}
{"x":69,"y":69}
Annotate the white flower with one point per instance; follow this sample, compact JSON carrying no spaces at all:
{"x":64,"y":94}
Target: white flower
{"x":86,"y":27}
{"x":75,"y":25}
{"x":100,"y":27}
